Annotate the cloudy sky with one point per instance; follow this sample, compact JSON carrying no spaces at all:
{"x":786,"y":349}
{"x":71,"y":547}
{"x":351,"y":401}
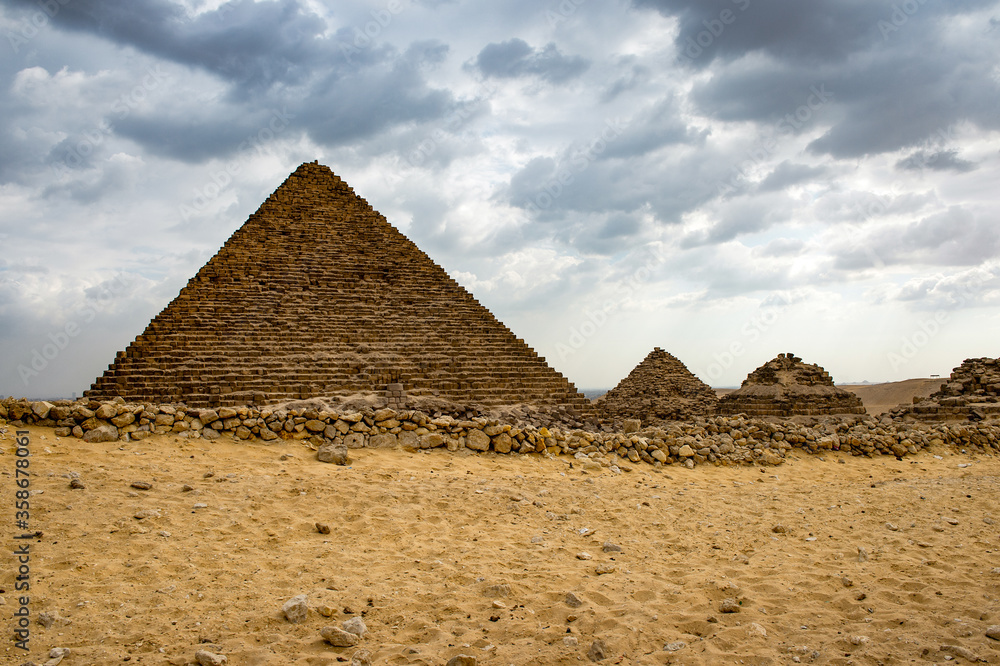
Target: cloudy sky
{"x":725,"y":179}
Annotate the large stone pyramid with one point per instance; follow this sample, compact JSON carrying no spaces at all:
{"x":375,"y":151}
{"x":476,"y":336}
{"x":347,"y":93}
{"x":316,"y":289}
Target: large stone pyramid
{"x":660,"y":388}
{"x":785,"y":386}
{"x":318,"y":295}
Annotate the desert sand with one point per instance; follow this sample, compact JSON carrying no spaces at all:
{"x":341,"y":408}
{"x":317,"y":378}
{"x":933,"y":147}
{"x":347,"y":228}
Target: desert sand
{"x":876,"y":561}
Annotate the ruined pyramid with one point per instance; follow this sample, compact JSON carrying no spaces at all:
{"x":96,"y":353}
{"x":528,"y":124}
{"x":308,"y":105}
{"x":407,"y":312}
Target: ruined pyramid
{"x":785,"y":386}
{"x":972,"y":393}
{"x":318,"y":295}
{"x":660,"y":388}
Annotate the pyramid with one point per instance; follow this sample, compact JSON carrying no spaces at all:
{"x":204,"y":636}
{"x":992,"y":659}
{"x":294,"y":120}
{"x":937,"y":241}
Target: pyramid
{"x":318,"y":295}
{"x":971,"y":393}
{"x":660,"y":388}
{"x":785,"y":386}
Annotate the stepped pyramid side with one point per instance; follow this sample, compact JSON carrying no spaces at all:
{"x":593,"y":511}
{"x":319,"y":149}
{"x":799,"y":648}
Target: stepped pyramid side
{"x":785,"y":386}
{"x":318,"y":295}
{"x":972,"y":392}
{"x":660,"y":388}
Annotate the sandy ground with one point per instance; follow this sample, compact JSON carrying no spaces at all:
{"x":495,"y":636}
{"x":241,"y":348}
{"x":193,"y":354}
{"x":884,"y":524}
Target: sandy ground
{"x":880,"y":398}
{"x":423,"y":545}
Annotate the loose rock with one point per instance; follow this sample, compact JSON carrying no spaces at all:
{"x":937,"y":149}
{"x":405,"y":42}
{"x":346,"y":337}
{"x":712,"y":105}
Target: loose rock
{"x":205,"y":658}
{"x":337,"y":637}
{"x":296,"y":609}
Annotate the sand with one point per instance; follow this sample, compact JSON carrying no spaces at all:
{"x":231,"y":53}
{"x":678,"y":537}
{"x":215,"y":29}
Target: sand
{"x":447,"y":554}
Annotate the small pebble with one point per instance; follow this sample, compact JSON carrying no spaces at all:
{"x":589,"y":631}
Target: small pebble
{"x":322,"y":528}
{"x":729,"y":605}
{"x":141,"y":485}
{"x":584,"y":556}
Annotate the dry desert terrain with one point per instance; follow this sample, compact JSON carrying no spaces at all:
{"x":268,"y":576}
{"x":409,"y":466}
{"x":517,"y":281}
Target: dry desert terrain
{"x":826,"y":560}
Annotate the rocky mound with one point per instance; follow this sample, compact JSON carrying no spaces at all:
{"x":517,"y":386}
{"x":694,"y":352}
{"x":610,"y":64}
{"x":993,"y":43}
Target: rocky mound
{"x":971,"y":393}
{"x":659,"y":389}
{"x":785,"y":386}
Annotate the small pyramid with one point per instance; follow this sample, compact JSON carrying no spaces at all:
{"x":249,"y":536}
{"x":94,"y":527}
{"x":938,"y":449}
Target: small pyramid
{"x":971,"y":393}
{"x":785,"y":386}
{"x":660,"y":388}
{"x":317,"y":295}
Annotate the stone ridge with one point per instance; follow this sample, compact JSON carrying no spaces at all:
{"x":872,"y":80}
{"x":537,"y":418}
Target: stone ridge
{"x":785,"y":386}
{"x":659,"y":389}
{"x":972,"y":392}
{"x":318,"y":295}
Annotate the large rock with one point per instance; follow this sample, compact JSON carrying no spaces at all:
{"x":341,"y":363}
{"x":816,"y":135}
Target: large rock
{"x":296,"y":609}
{"x":355,"y":441}
{"x":41,"y":409}
{"x":477,"y":440}
{"x":107,"y":411}
{"x":502,"y":443}
{"x":384,"y":441}
{"x":332,"y":452}
{"x":337,"y":637}
{"x":104,"y":433}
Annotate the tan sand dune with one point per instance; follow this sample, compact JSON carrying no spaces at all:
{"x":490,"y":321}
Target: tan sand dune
{"x":446,"y":554}
{"x":880,"y":398}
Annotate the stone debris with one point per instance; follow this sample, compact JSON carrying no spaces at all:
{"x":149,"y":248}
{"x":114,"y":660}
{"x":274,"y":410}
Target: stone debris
{"x":962,"y":652}
{"x":729,"y":605}
{"x":56,"y":655}
{"x":756,"y":630}
{"x":462,"y":660}
{"x":993,"y":632}
{"x":337,"y":637}
{"x":322,"y":528}
{"x":674,"y":647}
{"x":598,"y":651}
{"x":296,"y":609}
{"x":659,"y":389}
{"x":785,"y":386}
{"x":603,"y":569}
{"x":584,"y":556}
{"x":722,"y":440}
{"x":361,"y":658}
{"x":573,"y":601}
{"x":971,"y":395}
{"x":76,"y":484}
{"x":356,"y":625}
{"x":141,"y":485}
{"x":860,"y":640}
{"x":609,"y":547}
{"x":206,"y":658}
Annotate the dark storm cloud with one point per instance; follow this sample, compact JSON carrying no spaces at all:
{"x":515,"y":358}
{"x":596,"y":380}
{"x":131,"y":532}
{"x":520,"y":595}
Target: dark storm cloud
{"x":787,"y":174}
{"x":255,"y":44}
{"x":899,"y":72}
{"x":943,"y":160}
{"x":276,"y":61}
{"x":516,"y":58}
